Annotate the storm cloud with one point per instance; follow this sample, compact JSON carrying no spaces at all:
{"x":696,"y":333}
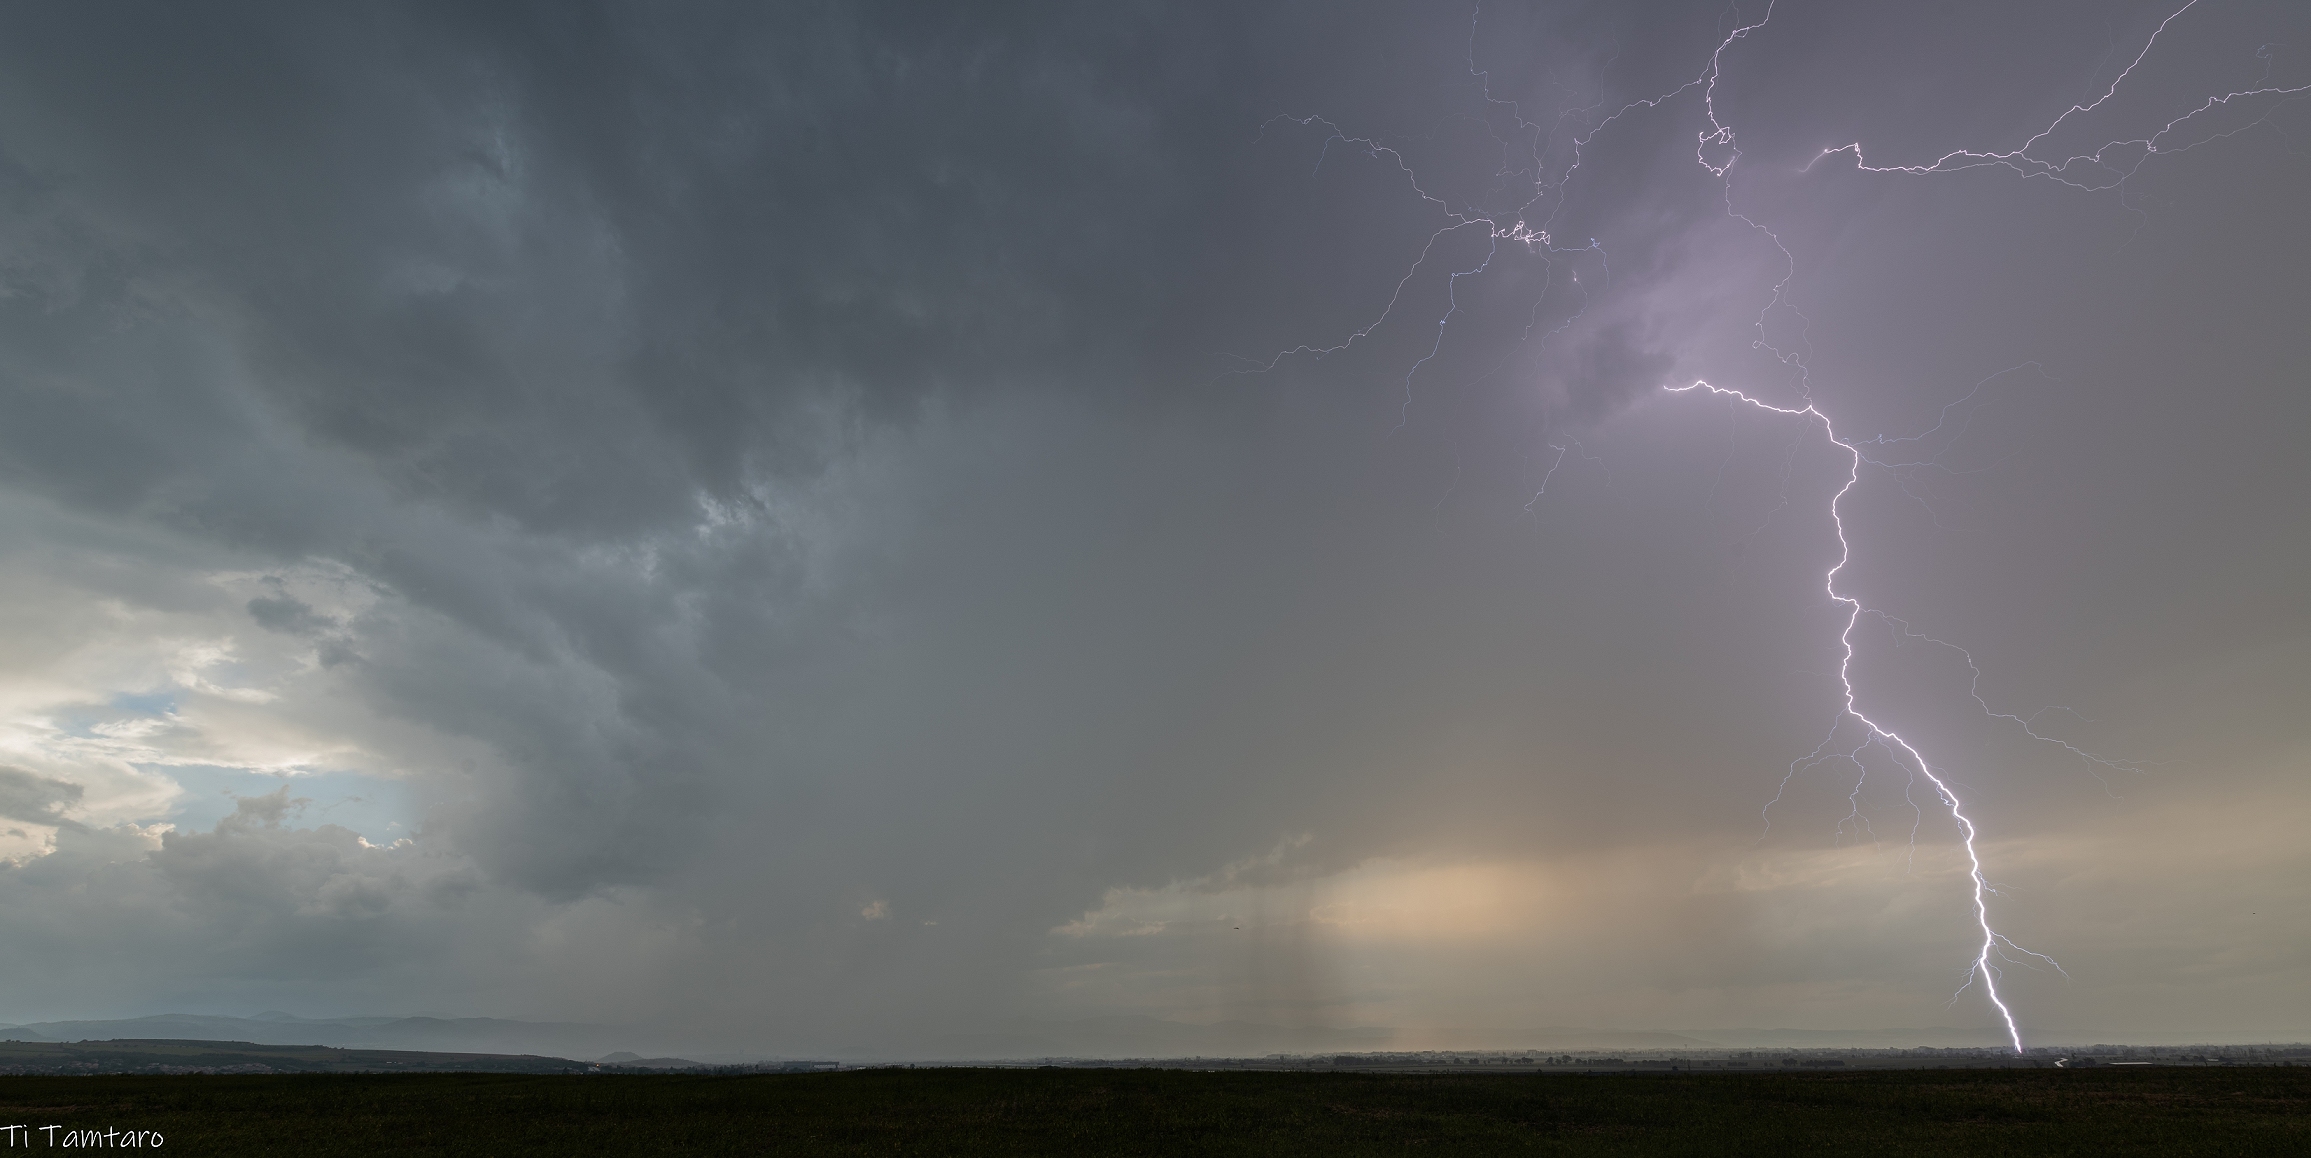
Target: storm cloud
{"x":843,"y":524}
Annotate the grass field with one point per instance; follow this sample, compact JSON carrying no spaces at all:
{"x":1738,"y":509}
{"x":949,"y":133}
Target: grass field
{"x":2209,"y":1111}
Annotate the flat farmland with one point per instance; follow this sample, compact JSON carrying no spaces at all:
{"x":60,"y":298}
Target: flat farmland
{"x":2152,"y":1110}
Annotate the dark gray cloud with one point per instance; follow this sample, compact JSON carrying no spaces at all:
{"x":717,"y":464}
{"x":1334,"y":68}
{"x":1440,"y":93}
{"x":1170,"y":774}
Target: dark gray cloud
{"x":781,"y":489}
{"x":286,"y":613}
{"x":36,"y":799}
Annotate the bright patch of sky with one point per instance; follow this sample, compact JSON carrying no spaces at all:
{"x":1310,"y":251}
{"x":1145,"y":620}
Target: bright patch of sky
{"x":381,"y":810}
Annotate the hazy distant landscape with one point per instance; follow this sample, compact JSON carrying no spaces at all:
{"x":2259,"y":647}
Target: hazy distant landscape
{"x":497,"y":1045}
{"x":1089,"y":1037}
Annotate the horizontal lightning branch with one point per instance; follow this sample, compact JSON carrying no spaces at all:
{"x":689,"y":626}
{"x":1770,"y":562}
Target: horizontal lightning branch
{"x":2109,"y":165}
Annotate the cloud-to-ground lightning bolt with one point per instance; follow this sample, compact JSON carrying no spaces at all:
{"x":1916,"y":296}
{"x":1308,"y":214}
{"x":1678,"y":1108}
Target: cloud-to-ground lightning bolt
{"x":1994,"y":945}
{"x":1530,"y":227}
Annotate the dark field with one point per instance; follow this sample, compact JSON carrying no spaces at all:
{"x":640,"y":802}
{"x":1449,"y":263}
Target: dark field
{"x":2227,"y":1111}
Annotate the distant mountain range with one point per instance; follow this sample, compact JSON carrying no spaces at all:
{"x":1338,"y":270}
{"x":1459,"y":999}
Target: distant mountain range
{"x":432,"y":1034}
{"x":171,"y":1056}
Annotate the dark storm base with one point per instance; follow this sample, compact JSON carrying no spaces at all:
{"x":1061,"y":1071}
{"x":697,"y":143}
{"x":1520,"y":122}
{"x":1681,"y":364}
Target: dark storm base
{"x":2163,"y":1110}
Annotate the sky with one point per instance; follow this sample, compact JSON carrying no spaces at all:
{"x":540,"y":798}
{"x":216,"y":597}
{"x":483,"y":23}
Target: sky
{"x":816,"y":525}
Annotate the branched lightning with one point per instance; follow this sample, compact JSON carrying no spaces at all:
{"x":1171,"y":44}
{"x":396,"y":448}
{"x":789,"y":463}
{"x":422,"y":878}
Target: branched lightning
{"x":1994,"y":948}
{"x":1531,"y":227}
{"x":2109,"y":165}
{"x":1554,"y":463}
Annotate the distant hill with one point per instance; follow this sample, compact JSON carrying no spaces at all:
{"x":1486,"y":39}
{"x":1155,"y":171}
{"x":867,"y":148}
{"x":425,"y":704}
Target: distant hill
{"x":130,"y":1056}
{"x":437,"y":1034}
